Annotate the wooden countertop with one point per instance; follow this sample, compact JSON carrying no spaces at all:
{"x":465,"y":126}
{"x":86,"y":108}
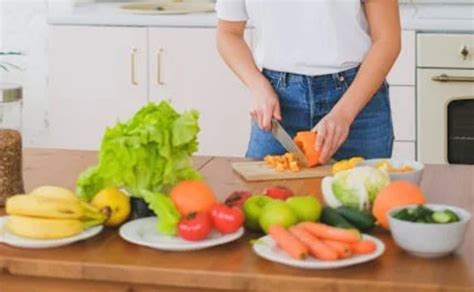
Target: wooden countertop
{"x":108,"y":263}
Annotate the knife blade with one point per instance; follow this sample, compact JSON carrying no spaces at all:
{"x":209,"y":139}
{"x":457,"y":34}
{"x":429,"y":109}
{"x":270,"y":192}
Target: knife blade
{"x":285,"y":140}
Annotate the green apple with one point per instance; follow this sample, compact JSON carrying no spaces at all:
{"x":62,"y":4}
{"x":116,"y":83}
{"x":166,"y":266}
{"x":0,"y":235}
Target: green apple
{"x":253,"y":207}
{"x":306,"y":208}
{"x":279,"y":213}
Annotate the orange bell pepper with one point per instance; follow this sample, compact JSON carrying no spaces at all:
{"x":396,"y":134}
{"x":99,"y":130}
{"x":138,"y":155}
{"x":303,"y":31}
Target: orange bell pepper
{"x":306,"y":141}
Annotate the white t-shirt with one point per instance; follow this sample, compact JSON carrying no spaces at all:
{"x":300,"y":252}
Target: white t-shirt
{"x":310,"y":37}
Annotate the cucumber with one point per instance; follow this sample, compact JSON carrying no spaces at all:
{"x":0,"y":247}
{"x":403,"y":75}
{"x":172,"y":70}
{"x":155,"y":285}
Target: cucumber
{"x":441,"y":217}
{"x":453,"y":216}
{"x":330,"y":217}
{"x":361,"y":220}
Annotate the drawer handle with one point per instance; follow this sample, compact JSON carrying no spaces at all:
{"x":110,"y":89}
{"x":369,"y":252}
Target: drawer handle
{"x":447,"y":78}
{"x":132,"y":69}
{"x":158,"y":70}
{"x":464,"y":52}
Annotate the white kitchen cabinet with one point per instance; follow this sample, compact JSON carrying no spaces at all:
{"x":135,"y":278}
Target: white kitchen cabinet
{"x":186,"y":68}
{"x":96,"y":76}
{"x":404,"y":150}
{"x":404,"y":69}
{"x":402,"y":99}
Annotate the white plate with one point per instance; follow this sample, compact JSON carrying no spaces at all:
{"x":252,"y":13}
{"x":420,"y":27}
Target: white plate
{"x":143,"y":232}
{"x":23,"y":242}
{"x":267,"y":249}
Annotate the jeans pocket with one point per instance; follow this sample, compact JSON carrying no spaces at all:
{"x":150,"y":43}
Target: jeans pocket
{"x":275,"y":78}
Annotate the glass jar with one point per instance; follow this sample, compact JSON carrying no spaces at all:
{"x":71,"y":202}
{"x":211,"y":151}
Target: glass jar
{"x":11,"y":178}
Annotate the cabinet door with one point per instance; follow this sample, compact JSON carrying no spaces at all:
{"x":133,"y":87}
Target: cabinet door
{"x":402,"y":99}
{"x":186,"y":68}
{"x":97,"y":76}
{"x":404,"y":150}
{"x":403,"y":71}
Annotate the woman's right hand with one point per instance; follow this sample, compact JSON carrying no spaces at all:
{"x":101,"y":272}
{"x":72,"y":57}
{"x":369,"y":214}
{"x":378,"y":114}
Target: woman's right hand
{"x":266,"y":105}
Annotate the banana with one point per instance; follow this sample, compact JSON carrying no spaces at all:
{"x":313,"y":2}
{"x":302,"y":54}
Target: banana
{"x":52,"y":208}
{"x":55,"y":193}
{"x":41,"y":228}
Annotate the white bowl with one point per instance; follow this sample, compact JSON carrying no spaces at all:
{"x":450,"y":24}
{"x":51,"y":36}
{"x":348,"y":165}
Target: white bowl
{"x":412,"y":176}
{"x":429,"y":240}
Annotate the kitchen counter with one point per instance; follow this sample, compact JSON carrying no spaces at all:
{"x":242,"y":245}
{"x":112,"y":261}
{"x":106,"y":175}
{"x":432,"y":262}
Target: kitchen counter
{"x":108,"y":263}
{"x":426,"y":17}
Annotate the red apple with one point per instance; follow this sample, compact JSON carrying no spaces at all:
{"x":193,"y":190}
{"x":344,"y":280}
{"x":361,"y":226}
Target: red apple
{"x":278,"y":192}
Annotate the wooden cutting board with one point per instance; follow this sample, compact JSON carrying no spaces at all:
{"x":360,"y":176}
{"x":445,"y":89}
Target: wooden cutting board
{"x":259,"y":171}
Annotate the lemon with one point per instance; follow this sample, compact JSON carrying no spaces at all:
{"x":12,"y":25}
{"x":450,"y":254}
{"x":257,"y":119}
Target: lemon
{"x":117,"y":202}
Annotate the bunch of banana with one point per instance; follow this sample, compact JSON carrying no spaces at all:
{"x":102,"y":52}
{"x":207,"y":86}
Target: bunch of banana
{"x":49,"y":213}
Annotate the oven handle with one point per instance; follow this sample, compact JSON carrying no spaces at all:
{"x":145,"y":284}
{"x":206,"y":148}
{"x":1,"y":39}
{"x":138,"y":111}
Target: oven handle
{"x":447,"y":78}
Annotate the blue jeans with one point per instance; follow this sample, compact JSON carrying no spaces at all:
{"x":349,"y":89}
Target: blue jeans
{"x":305,"y":100}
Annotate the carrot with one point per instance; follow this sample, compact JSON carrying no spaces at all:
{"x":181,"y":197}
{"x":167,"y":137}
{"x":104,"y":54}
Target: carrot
{"x":343,"y":249}
{"x":333,"y":233}
{"x":317,"y":248}
{"x":306,"y":141}
{"x":288,"y":242}
{"x":363,"y":247}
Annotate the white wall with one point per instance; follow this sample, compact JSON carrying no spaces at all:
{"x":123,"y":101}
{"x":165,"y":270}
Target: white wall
{"x":23,"y":27}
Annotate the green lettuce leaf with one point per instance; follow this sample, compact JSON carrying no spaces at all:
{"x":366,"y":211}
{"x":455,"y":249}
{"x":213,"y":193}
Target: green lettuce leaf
{"x":147,"y":155}
{"x":168,"y":214}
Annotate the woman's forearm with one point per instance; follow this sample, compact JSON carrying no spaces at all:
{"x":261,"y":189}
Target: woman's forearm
{"x":370,"y":77}
{"x":237,"y":54}
{"x":384,"y":27}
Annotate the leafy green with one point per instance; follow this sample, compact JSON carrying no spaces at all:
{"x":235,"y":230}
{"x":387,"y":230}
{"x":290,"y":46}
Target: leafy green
{"x":163,"y":205}
{"x":422,"y":214}
{"x":146,"y":155}
{"x":358,"y":187}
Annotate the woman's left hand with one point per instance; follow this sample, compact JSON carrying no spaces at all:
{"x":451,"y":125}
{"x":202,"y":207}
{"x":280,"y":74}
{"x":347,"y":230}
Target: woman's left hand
{"x":332,"y":131}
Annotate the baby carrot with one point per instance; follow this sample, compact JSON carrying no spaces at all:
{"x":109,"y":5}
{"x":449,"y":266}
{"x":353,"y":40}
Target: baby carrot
{"x":317,"y":248}
{"x":343,"y":249}
{"x":324,"y":231}
{"x":288,"y":242}
{"x":363,"y":247}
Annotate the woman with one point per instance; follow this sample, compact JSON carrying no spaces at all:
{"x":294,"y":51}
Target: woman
{"x":324,"y":67}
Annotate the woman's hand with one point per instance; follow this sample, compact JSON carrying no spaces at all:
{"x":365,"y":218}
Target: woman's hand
{"x":266,"y":104}
{"x":332,"y":132}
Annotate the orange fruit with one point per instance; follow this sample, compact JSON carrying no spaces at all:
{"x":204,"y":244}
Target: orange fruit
{"x":192,"y":196}
{"x":396,"y":194}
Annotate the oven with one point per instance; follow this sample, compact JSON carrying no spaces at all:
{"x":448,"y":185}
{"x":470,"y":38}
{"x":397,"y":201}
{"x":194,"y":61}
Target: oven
{"x":445,"y":98}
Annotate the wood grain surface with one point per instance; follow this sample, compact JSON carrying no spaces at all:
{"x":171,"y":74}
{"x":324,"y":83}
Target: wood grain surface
{"x":111,"y":264}
{"x":259,"y":171}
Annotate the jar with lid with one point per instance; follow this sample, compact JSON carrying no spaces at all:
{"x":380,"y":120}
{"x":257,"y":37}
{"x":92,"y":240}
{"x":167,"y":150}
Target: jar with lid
{"x":11,"y":178}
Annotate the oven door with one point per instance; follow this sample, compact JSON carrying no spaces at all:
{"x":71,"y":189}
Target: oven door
{"x":445,"y":109}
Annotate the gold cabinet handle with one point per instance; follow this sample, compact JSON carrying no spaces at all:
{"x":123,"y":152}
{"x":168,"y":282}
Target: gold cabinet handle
{"x":132,"y":65}
{"x":158,"y":66}
{"x":447,"y":78}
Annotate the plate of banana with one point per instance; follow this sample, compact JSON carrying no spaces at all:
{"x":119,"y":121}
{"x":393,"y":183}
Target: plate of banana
{"x":48,"y":217}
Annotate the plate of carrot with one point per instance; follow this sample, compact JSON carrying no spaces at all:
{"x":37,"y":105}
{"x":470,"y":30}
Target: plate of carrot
{"x":313,"y":245}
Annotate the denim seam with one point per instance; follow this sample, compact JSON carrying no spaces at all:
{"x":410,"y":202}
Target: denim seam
{"x":310,"y":100}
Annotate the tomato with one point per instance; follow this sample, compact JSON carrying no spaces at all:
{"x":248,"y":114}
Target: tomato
{"x":237,"y":198}
{"x":195,"y":226}
{"x":227,"y":219}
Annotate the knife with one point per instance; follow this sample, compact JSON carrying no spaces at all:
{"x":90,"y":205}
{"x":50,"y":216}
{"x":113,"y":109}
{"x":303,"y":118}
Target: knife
{"x":285,"y":140}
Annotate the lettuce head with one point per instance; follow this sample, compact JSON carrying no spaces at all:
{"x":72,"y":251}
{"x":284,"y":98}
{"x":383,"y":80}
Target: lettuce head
{"x":147,"y":155}
{"x":356,"y":188}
